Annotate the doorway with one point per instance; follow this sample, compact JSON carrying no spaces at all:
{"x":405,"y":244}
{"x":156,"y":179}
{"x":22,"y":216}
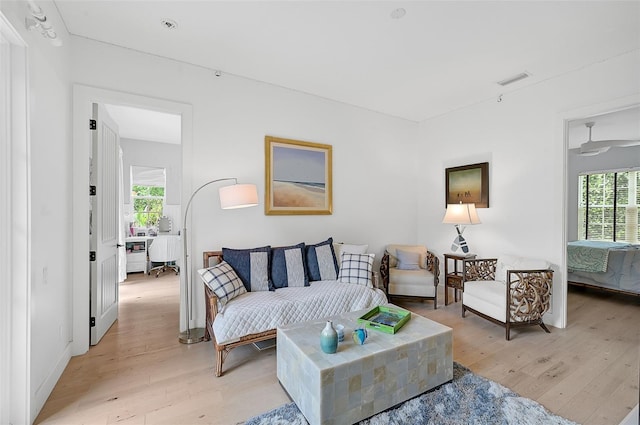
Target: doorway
{"x":83,"y":97}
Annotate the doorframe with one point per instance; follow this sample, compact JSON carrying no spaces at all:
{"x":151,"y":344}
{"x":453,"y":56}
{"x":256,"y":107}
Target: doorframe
{"x":563,"y":120}
{"x":83,"y":97}
{"x":15,"y":224}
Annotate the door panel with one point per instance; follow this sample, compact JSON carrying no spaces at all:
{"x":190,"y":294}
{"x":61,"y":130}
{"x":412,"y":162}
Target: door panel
{"x":104,"y":223}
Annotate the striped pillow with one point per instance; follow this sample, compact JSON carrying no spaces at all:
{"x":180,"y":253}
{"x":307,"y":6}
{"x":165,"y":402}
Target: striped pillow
{"x":356,"y":268}
{"x":321,"y":261}
{"x":223,"y":281}
{"x":251,"y":265}
{"x":287,"y":267}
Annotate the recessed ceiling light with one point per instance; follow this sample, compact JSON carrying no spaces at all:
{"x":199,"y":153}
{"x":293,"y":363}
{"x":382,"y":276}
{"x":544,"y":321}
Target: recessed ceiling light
{"x":169,"y":24}
{"x":398,"y":13}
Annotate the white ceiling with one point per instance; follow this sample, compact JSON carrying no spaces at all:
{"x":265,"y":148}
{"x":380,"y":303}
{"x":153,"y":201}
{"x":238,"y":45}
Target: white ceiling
{"x":143,"y":124}
{"x":442,"y":55}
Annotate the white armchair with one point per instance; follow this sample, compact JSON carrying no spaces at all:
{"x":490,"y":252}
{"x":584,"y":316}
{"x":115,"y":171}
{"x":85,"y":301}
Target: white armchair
{"x":510,"y":291}
{"x":410,"y":271}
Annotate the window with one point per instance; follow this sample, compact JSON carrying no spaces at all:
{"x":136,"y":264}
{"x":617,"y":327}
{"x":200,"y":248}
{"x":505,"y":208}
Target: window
{"x":608,"y":206}
{"x":148,"y":202}
{"x":147,"y":195}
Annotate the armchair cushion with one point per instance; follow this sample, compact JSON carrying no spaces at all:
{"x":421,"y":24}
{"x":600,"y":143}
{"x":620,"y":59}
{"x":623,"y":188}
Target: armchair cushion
{"x":416,"y":283}
{"x":408,"y":260}
{"x":421,"y":250}
{"x":488,"y":297}
{"x":512,"y":262}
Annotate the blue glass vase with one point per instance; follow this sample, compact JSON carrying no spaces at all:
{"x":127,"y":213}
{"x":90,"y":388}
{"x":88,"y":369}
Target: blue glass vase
{"x":329,"y":339}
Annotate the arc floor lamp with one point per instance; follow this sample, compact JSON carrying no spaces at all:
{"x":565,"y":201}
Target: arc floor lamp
{"x":231,"y":197}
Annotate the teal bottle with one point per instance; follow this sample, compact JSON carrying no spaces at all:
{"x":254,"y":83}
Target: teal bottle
{"x":329,"y":339}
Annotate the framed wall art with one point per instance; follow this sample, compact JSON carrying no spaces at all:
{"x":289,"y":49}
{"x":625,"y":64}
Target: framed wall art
{"x":297,"y":177}
{"x":468,"y":184}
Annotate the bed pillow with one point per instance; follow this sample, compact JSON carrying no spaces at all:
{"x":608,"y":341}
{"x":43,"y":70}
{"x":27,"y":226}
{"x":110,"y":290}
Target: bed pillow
{"x":407,"y":260}
{"x":223,"y":281}
{"x":356,"y":268}
{"x":251,"y":266}
{"x":288,"y":267}
{"x":321,"y":261}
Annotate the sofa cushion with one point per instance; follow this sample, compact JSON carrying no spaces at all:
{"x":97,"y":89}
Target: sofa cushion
{"x":288,"y":267}
{"x":321,"y":261}
{"x":408,"y":260}
{"x":511,"y":262}
{"x":356,"y":268}
{"x":223,"y":281}
{"x":251,"y":265}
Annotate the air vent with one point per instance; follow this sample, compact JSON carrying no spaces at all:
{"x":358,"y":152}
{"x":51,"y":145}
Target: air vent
{"x":513,"y":79}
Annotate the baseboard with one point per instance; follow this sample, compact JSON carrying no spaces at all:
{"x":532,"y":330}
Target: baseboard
{"x":632,"y":418}
{"x":43,"y":391}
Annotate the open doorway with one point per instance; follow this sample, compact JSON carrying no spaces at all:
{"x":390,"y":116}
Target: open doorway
{"x":83,"y":98}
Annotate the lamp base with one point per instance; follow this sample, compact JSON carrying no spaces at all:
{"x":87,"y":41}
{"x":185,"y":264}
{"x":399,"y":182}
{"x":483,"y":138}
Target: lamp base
{"x":192,"y":336}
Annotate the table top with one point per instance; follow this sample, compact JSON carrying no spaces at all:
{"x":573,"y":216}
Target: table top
{"x":306,"y":337}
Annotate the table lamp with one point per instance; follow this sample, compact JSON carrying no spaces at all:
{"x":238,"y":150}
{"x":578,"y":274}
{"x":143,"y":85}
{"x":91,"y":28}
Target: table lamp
{"x":460,"y":215}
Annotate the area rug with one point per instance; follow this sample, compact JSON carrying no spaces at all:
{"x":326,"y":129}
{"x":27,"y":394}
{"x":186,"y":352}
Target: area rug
{"x":467,"y":399}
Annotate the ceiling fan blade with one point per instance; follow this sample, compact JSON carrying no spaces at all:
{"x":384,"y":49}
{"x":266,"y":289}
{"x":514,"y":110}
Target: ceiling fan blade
{"x":604,"y":145}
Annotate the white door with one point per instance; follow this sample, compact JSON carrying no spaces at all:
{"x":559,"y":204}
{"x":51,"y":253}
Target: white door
{"x":103,"y":222}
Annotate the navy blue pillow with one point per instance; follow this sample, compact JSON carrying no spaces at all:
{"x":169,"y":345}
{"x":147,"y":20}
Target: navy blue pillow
{"x":288,"y":267}
{"x":321,"y":261}
{"x":251,"y":266}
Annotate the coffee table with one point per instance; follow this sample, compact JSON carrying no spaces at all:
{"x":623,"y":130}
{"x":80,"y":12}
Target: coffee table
{"x":361,"y":380}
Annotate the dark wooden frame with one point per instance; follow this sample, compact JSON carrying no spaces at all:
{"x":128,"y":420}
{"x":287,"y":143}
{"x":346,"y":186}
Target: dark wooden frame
{"x":453,"y":172}
{"x":485,"y":269}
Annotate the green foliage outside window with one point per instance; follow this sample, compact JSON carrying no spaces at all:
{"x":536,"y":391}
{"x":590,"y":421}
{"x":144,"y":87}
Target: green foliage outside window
{"x":605,"y":200}
{"x":148,"y":202}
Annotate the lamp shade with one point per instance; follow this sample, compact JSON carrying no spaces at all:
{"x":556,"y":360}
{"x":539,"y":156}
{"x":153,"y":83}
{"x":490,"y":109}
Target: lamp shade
{"x":238,"y":196}
{"x":461,"y":214}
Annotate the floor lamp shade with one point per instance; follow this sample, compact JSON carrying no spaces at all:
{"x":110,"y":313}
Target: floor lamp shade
{"x":461,"y":215}
{"x":238,"y":196}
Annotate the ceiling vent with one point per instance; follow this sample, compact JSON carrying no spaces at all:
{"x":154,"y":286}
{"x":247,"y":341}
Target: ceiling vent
{"x":514,"y":78}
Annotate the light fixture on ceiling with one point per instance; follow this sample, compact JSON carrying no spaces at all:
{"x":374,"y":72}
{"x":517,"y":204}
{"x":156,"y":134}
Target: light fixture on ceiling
{"x":398,"y":13}
{"x":595,"y":147}
{"x":169,"y":24}
{"x":514,"y":78}
{"x":38,"y":21}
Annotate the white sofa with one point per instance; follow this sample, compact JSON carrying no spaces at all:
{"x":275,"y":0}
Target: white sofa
{"x":255,"y":315}
{"x":509,"y":290}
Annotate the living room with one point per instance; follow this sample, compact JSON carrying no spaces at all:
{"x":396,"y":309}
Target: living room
{"x":388,"y":172}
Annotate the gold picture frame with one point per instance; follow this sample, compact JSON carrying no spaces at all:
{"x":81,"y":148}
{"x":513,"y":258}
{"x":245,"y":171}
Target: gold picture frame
{"x":468,"y":184}
{"x":297,"y":177}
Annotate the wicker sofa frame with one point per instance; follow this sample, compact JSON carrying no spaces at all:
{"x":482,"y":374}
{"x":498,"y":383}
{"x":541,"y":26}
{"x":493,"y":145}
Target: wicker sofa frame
{"x":433,"y":266}
{"x":211,"y":303}
{"x":528,"y":293}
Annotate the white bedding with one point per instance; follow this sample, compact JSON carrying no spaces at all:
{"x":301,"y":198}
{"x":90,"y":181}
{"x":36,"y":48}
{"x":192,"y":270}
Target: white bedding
{"x":256,"y":312}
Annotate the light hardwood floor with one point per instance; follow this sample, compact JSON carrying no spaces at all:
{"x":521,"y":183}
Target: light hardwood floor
{"x":141,"y":374}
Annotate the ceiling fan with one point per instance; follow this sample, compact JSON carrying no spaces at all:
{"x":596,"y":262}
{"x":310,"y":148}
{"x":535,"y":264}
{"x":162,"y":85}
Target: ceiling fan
{"x":595,"y":147}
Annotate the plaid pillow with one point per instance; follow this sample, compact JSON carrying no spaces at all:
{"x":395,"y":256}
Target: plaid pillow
{"x":356,"y":268}
{"x":223,"y":281}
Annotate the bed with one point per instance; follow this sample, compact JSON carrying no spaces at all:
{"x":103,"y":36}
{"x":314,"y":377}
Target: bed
{"x":613,"y":266}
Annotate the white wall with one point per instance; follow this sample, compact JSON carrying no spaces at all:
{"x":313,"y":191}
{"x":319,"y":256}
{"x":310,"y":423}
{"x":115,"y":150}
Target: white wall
{"x":522,"y":138}
{"x":50,"y":149}
{"x":153,"y":154}
{"x":375,"y":191}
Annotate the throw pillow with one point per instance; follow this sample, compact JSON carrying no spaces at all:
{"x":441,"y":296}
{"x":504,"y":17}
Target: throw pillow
{"x":321,"y":261}
{"x":251,"y":265}
{"x":223,"y":281}
{"x":356,"y":268}
{"x":408,"y":260}
{"x":288,"y":267}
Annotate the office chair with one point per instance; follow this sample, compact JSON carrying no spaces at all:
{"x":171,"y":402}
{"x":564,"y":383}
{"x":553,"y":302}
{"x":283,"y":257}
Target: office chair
{"x":164,"y":249}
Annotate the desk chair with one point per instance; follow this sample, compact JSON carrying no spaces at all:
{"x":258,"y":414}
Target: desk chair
{"x":164,"y":249}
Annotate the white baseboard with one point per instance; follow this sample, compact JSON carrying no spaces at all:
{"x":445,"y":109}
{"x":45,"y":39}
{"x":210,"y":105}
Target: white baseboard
{"x":632,"y":418}
{"x":44,"y":390}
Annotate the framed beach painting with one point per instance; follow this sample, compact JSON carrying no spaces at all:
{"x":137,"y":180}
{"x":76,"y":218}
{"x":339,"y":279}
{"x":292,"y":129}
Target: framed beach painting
{"x":297,"y":177}
{"x":468,"y":184}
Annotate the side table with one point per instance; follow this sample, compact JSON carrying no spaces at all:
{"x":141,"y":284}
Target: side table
{"x":453,"y":278}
